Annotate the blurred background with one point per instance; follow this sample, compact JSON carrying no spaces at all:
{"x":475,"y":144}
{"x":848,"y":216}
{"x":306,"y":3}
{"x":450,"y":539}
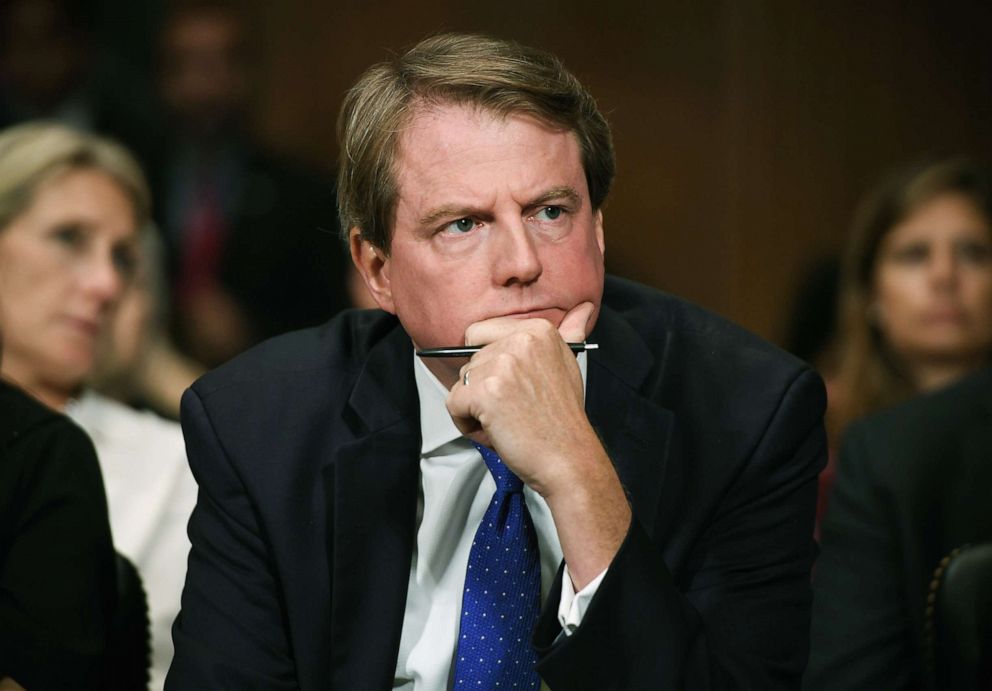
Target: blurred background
{"x":745,"y":131}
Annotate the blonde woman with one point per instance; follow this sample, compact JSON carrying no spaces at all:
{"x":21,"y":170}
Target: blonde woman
{"x":71,"y":206}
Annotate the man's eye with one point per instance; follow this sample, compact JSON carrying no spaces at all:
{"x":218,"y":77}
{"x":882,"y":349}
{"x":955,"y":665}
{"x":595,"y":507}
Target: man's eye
{"x":549,"y":213}
{"x":462,"y":225}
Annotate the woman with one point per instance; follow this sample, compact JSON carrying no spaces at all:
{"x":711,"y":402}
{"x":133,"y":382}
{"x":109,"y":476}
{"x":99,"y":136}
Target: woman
{"x":916,"y":291}
{"x":71,"y":205}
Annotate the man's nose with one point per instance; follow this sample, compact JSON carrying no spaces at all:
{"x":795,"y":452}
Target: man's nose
{"x":516,"y":260}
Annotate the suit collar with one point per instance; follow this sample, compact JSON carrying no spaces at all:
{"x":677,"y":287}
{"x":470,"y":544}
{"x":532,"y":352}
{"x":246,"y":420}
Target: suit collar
{"x":635,"y":430}
{"x":372,"y":485}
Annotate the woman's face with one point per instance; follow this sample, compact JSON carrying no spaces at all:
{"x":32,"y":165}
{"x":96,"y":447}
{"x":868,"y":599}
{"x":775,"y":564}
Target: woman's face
{"x":64,"y":264}
{"x":933,"y":284}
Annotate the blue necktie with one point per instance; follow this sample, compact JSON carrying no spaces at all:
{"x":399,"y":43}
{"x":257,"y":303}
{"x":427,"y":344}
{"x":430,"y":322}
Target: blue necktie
{"x":502,"y":595}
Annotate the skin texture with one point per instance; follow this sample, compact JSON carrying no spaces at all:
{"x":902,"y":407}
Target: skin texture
{"x":933,"y":290}
{"x":64,"y":265}
{"x":495,"y":243}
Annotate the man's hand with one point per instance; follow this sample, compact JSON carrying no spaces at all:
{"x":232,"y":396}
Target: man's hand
{"x":524,"y":399}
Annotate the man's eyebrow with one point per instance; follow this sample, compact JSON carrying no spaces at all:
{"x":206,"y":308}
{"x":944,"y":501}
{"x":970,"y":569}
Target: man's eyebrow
{"x":558,"y":193}
{"x":454,"y":211}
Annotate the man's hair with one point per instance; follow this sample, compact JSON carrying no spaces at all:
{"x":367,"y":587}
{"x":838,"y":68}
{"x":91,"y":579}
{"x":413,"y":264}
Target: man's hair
{"x":35,"y":153}
{"x":500,"y":77}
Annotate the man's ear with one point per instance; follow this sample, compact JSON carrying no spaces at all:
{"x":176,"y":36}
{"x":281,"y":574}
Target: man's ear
{"x":600,"y":236}
{"x":373,"y":266}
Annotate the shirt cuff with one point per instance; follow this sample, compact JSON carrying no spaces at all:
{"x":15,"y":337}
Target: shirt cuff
{"x":572,"y":606}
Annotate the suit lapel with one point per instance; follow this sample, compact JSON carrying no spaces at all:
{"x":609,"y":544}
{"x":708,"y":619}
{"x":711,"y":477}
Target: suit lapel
{"x":372,"y":485}
{"x":635,"y":430}
{"x":372,"y":488}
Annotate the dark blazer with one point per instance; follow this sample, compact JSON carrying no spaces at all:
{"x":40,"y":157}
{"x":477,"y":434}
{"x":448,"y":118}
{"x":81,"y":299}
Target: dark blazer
{"x":307,"y":454}
{"x":57,"y":582}
{"x":913,"y":483}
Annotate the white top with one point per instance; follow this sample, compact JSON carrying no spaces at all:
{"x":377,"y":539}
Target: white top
{"x":150,"y":496}
{"x":456,"y":489}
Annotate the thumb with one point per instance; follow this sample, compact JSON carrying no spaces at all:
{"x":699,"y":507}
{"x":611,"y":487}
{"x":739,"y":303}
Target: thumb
{"x":573,"y":325}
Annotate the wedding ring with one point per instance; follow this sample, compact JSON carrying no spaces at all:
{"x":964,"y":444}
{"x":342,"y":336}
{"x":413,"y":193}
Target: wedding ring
{"x":465,"y":378}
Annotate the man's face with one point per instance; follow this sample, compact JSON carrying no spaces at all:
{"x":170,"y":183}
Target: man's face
{"x":204,"y":76}
{"x":493,"y":219}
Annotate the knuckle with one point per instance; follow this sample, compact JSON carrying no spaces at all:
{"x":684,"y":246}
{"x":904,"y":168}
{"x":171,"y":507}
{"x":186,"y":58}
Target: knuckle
{"x":493,"y":386}
{"x":506,"y":361}
{"x":524,"y":339}
{"x":544,"y":327}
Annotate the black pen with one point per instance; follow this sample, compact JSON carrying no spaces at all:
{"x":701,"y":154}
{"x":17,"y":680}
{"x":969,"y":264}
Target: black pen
{"x":468,"y":351}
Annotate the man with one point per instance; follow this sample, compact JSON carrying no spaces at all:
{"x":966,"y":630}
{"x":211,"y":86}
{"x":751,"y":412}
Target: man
{"x":912,"y":488}
{"x":670,"y":475}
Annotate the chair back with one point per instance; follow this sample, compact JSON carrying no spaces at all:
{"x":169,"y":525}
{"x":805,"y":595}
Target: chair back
{"x":959,"y":620}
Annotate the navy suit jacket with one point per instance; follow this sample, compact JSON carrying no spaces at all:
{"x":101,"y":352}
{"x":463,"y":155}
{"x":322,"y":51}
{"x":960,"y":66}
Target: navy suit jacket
{"x":306,"y":450}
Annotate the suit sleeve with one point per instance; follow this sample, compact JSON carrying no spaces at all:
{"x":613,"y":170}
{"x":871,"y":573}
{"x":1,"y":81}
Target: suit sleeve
{"x":737,"y":614}
{"x":861,"y":635}
{"x":230,"y":633}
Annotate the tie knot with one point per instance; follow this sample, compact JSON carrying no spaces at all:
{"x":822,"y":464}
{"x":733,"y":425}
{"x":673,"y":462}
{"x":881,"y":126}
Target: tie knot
{"x":506,"y":481}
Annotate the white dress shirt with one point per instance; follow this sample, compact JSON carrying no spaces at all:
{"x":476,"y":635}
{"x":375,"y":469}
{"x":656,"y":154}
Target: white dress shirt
{"x":150,"y":495}
{"x":456,"y":489}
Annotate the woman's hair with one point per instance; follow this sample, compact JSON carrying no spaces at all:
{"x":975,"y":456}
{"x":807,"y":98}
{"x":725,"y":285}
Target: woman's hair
{"x":871,"y":374}
{"x":499,"y":77}
{"x":35,"y":153}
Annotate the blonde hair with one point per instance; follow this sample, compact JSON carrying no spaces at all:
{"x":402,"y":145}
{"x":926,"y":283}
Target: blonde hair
{"x":871,"y":375}
{"x":498,"y":76}
{"x":35,"y":153}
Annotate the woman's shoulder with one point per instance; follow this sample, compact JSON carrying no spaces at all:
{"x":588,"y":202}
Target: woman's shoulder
{"x":23,"y":417}
{"x":110,"y":422}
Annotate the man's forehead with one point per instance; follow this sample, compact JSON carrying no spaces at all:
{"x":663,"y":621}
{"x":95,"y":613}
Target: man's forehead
{"x":424,"y":117}
{"x":450,"y":134}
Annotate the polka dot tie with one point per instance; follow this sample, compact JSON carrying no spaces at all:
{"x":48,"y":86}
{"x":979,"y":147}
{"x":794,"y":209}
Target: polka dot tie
{"x":502,"y":595}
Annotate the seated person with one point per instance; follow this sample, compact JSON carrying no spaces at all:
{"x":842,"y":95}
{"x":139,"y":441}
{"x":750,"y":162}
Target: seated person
{"x":71,"y":205}
{"x":57,"y":581}
{"x":639,"y":516}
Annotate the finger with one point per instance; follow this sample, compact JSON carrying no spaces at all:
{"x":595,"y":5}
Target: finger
{"x":573,"y":327}
{"x":489,"y":330}
{"x":459,"y":405}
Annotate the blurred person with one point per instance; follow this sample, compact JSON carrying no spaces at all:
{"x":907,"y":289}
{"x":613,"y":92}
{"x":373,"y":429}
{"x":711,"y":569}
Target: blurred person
{"x":913,"y":488}
{"x":137,"y":363}
{"x":251,"y":238}
{"x":57,"y":577}
{"x":51,"y":68}
{"x":71,"y":205}
{"x":916,"y":292}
